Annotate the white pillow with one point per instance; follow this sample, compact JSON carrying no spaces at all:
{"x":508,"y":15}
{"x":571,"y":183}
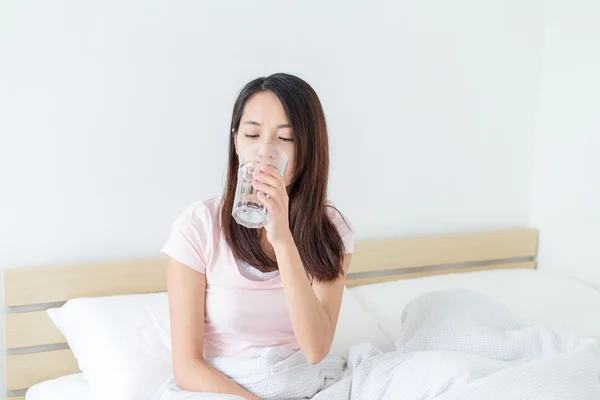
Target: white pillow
{"x":355,"y":325}
{"x":538,"y":297}
{"x":122,"y":343}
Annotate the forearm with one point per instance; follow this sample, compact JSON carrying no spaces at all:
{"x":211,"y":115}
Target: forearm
{"x":310,"y":322}
{"x":199,"y":376}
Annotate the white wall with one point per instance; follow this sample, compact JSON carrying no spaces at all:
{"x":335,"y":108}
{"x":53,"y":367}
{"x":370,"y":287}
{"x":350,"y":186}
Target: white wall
{"x":566,"y":201}
{"x":114,"y":114}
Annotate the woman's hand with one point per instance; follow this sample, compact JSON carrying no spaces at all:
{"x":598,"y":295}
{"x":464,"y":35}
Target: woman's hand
{"x":268,"y":181}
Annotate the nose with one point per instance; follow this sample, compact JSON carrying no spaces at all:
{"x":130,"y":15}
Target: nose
{"x":267,"y":152}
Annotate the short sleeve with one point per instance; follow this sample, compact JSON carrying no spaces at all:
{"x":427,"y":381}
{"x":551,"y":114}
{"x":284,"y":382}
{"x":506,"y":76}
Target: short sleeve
{"x":188,"y":238}
{"x":344,"y":227}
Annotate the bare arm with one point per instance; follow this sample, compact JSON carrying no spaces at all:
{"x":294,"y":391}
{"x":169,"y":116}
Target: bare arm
{"x":186,"y":290}
{"x":313,"y":310}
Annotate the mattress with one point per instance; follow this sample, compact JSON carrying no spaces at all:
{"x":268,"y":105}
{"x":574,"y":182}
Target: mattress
{"x":553,"y":300}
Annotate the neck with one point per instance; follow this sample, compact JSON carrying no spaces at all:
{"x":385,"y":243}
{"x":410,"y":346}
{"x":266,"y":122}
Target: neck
{"x":265,"y":245}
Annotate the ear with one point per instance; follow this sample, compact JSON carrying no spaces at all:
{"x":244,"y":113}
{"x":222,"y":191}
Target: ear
{"x":235,"y":141}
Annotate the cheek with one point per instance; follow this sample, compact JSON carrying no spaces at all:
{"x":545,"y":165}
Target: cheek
{"x":239,"y":145}
{"x":289,"y":171}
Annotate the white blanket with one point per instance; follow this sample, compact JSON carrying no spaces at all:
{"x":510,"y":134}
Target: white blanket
{"x":454,"y":345}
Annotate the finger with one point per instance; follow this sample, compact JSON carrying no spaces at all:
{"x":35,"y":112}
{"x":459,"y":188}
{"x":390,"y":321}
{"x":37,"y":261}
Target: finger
{"x":271,"y":191}
{"x":267,"y":179}
{"x":272,"y":171}
{"x":274,"y":193}
{"x":269,"y":203}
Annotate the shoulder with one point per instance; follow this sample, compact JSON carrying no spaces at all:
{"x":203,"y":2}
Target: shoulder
{"x":193,"y":234}
{"x":200,"y":215}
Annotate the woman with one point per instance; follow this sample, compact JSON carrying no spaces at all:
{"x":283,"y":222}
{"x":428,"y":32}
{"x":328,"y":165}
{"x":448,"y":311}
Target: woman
{"x":234,"y":290}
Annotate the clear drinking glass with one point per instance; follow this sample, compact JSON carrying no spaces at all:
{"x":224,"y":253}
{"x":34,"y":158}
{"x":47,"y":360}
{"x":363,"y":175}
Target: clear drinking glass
{"x":247,"y":209}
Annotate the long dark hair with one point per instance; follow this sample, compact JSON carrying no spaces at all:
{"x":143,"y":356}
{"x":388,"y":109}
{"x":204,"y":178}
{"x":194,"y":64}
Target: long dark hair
{"x":319,"y":243}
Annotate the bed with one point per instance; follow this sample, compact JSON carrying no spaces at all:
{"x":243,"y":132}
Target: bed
{"x":385,"y":275}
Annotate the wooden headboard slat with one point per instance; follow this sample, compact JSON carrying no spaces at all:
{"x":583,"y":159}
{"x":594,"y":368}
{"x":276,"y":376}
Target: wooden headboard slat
{"x":25,"y":370}
{"x":23,"y":286}
{"x":30,"y":329}
{"x":413,"y":275}
{"x":385,"y":255}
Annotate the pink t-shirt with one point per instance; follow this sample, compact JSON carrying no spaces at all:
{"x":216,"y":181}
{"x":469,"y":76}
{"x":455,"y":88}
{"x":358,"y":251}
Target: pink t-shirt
{"x":241,"y":315}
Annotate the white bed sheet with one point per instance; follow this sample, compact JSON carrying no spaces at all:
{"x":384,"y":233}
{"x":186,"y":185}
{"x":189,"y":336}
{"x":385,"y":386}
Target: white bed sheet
{"x":548,"y":299}
{"x":540,"y":298}
{"x":355,"y":325}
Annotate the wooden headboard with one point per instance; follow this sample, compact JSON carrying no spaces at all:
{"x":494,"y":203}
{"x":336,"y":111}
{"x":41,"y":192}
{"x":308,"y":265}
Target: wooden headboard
{"x":31,"y":339}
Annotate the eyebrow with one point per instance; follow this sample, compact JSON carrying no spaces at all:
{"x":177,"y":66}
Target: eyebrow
{"x":250,"y":122}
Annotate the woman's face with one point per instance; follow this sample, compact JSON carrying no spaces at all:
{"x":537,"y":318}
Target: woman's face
{"x":264,"y":121}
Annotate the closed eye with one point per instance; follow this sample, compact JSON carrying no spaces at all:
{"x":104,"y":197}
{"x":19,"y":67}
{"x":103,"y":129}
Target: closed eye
{"x":286,"y":139}
{"x":251,"y":136}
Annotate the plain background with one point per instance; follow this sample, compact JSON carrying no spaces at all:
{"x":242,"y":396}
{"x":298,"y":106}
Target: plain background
{"x":443,"y":117}
{"x":566,"y":195}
